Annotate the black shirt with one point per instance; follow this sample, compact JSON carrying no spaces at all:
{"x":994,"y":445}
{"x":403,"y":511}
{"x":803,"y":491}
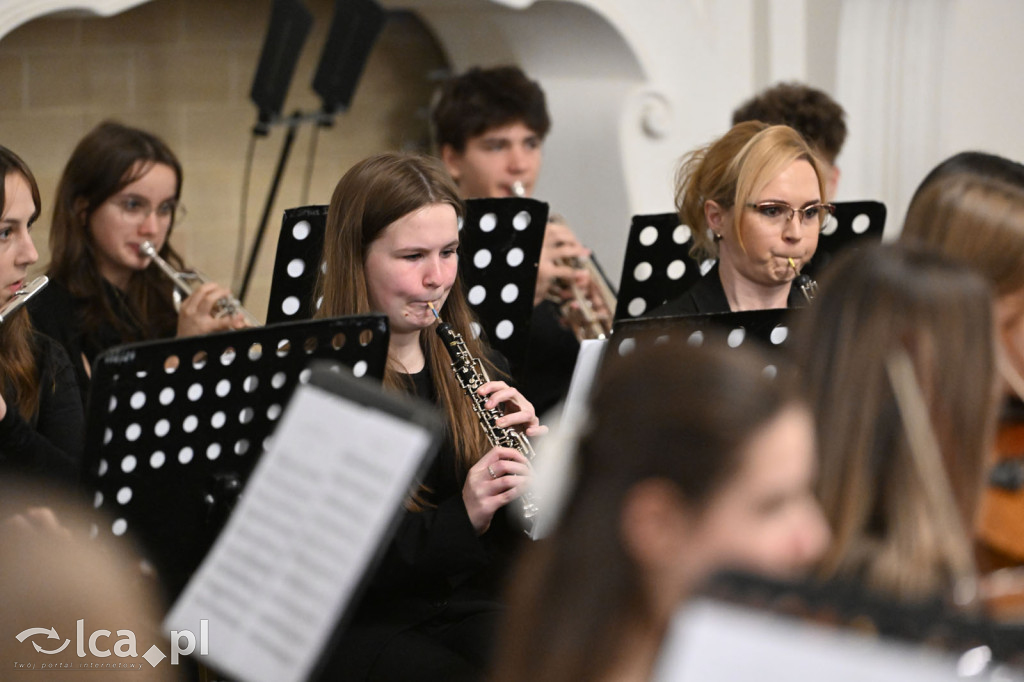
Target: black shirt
{"x":708,"y":296}
{"x":50,"y":445}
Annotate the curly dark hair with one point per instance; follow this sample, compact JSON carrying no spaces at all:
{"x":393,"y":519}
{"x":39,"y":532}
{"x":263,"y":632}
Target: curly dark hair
{"x":813,"y":114}
{"x":482,"y":99}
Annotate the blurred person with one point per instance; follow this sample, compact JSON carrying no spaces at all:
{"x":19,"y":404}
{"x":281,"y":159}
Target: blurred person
{"x":55,"y":577}
{"x":971,"y":207}
{"x":902,"y":455}
{"x":692,"y":460}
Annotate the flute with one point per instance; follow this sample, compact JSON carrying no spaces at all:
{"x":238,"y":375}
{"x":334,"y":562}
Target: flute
{"x":21,"y":296}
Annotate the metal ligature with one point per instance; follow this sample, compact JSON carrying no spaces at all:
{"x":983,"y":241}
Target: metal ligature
{"x":578,"y":312}
{"x":471,"y":375}
{"x":186,"y":282}
{"x":21,"y":297}
{"x":808,"y":287}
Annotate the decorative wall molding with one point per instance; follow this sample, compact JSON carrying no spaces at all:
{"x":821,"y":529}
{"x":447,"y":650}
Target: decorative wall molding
{"x":14,"y":14}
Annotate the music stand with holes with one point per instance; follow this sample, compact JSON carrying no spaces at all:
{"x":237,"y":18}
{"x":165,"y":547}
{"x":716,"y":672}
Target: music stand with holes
{"x":176,"y":426}
{"x":770,"y":328}
{"x":500,"y":248}
{"x":853,"y":224}
{"x":297,"y":264}
{"x":658,"y":267}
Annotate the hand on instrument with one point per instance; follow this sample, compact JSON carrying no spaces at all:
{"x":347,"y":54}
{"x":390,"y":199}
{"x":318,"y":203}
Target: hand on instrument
{"x":519,"y":412}
{"x":499,"y":477}
{"x":554,"y":273}
{"x":200,"y":313}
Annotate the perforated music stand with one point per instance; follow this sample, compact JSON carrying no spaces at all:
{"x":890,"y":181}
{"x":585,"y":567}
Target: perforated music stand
{"x":501,"y":241}
{"x":300,"y":246}
{"x":176,"y":426}
{"x":658,"y":267}
{"x":853,"y":224}
{"x":770,"y":328}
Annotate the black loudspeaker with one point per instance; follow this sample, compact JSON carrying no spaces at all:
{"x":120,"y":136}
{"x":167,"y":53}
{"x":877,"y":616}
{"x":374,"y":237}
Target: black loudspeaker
{"x":354,"y":29}
{"x":289,"y":27}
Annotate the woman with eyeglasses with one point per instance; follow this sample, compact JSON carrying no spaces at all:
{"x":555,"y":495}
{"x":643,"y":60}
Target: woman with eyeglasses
{"x":755,"y":200}
{"x":120,"y":188}
{"x":41,"y":420}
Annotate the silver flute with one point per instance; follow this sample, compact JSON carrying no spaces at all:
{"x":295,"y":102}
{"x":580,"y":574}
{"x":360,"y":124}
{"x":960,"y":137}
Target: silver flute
{"x":471,"y":375}
{"x":21,"y":297}
{"x":185,"y":282}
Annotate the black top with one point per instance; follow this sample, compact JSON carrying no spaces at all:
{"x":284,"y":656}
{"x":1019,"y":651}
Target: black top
{"x":436,"y":570}
{"x":50,"y":446}
{"x":59,"y":315}
{"x":550,"y":358}
{"x":708,"y":296}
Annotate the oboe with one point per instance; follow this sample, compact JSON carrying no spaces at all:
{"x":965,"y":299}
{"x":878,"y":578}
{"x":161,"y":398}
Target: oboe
{"x":471,"y":375}
{"x":808,"y":287}
{"x":21,"y":296}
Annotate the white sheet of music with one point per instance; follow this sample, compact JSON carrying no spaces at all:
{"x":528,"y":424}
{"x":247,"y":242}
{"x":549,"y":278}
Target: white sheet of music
{"x":309,"y":521}
{"x":716,"y":642}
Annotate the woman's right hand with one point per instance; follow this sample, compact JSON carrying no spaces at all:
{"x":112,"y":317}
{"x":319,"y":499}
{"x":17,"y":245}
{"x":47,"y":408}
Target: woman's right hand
{"x":198,"y":312}
{"x":499,"y":477}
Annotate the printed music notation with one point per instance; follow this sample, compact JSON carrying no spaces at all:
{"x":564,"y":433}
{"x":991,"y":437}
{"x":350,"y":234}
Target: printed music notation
{"x":319,"y":504}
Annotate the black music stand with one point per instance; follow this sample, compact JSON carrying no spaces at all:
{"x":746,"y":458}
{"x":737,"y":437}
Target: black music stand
{"x":500,"y":248}
{"x":853,"y":224}
{"x":769,"y":328}
{"x":658,"y":267}
{"x":176,"y":426}
{"x":297,"y":264}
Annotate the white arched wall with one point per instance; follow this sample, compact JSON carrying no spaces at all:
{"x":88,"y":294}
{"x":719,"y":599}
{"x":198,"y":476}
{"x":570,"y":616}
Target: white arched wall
{"x":14,"y":13}
{"x":631,"y":86}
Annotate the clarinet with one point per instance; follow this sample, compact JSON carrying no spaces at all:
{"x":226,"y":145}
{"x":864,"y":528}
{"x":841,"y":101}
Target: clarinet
{"x":21,"y":296}
{"x":471,"y":375}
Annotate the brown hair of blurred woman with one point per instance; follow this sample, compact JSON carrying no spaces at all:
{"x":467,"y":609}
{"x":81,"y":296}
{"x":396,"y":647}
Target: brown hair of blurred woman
{"x":654,"y":510}
{"x":874,"y":303}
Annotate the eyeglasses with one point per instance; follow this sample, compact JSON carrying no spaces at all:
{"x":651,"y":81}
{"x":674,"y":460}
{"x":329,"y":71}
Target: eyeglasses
{"x":780,"y":213}
{"x":136,"y":210}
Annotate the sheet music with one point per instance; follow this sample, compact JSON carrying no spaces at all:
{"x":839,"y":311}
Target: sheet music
{"x":309,"y":521}
{"x":717,"y":642}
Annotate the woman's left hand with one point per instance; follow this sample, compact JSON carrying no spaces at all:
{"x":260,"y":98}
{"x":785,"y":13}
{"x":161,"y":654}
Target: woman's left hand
{"x":519,"y":412}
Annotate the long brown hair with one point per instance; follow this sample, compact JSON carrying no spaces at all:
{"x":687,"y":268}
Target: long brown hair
{"x":731,"y":170}
{"x":976,"y":219}
{"x":668,"y":411}
{"x":17,"y":357}
{"x":873,"y":303}
{"x":369,"y":197}
{"x":106,"y":160}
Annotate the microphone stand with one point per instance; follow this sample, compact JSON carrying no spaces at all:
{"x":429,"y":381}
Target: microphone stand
{"x":293,"y":122}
